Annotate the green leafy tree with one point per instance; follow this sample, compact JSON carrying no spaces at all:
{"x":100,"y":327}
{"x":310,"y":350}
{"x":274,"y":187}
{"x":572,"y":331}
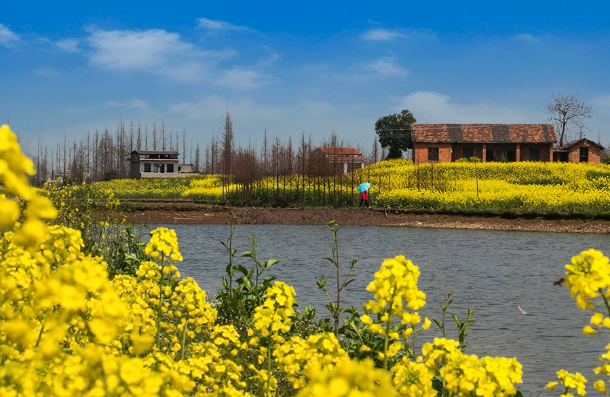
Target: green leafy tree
{"x":395,"y":132}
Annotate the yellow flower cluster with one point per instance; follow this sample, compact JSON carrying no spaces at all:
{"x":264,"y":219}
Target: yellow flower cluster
{"x":148,"y":188}
{"x":163,"y":246}
{"x":273,"y":316}
{"x":349,"y":378}
{"x":396,"y":292}
{"x":464,"y":374}
{"x":587,"y":276}
{"x":298,"y":356}
{"x":413,"y":379}
{"x":570,"y":381}
{"x":14,"y":166}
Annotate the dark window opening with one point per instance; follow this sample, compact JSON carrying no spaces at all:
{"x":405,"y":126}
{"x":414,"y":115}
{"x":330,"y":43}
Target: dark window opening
{"x":468,"y":152}
{"x":170,"y":168}
{"x":535,"y":154}
{"x":162,"y":168}
{"x":490,"y":155}
{"x":432,"y":154}
{"x":584,"y":154}
{"x":146,"y":167}
{"x":511,"y":155}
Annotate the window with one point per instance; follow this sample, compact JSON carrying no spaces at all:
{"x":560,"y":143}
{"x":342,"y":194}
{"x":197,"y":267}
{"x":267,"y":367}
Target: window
{"x":534,"y":154}
{"x":490,"y":155}
{"x":432,"y":154}
{"x":584,"y":154}
{"x":170,"y":168}
{"x":146,"y":167}
{"x":468,"y":152}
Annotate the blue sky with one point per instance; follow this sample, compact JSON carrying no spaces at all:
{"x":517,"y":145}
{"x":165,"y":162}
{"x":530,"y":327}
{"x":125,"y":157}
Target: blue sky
{"x":70,"y":67}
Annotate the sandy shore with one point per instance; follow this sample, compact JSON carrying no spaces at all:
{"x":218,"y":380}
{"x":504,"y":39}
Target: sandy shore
{"x":205,"y":214}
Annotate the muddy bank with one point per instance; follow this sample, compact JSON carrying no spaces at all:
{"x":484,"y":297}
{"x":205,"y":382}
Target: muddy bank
{"x":205,"y":214}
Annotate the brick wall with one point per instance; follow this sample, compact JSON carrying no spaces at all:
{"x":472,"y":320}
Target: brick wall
{"x":574,"y":153}
{"x":458,"y":150}
{"x":546,"y":151}
{"x":420,"y":152}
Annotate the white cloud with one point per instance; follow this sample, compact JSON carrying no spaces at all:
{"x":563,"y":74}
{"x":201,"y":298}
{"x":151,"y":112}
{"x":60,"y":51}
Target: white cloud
{"x":219,"y":25}
{"x":432,"y":107}
{"x":382,"y":35}
{"x":130,"y":49}
{"x":68,"y":45}
{"x":164,"y":53}
{"x":213,"y":106}
{"x":383,"y":67}
{"x":528,"y":38}
{"x":7,"y":38}
{"x":242,"y":79}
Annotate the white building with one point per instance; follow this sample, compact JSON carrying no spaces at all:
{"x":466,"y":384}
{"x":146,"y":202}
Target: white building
{"x":155,"y":164}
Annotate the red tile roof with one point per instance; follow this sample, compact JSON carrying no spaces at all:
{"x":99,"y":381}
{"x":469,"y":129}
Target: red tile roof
{"x":572,"y":143}
{"x":484,"y":133}
{"x":340,"y":151}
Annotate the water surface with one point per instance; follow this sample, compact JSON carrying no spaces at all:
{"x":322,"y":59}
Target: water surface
{"x":491,"y":272}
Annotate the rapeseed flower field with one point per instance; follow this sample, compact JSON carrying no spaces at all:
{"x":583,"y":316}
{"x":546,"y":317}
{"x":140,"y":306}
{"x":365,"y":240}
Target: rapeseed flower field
{"x":68,"y":329}
{"x":526,"y":188}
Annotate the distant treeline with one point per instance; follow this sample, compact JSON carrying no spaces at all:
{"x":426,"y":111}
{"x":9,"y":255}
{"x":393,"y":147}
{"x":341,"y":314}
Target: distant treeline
{"x":104,"y":155}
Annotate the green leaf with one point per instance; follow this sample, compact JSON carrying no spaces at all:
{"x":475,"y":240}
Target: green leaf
{"x":349,"y":282}
{"x":271,"y":262}
{"x":241,"y":269}
{"x":247,"y":253}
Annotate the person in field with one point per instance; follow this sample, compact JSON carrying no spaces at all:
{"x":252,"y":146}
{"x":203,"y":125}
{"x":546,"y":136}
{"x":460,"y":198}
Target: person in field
{"x":364,"y":198}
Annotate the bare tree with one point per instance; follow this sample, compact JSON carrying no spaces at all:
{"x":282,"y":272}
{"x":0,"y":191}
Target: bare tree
{"x":568,"y":112}
{"x":197,"y":159}
{"x":227,"y":150}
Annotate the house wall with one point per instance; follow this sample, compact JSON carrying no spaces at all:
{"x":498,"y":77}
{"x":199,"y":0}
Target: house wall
{"x":546,"y":151}
{"x":451,"y":152}
{"x":594,"y":153}
{"x":458,"y":150}
{"x":137,"y":169}
{"x":134,"y":170}
{"x":420,"y":152}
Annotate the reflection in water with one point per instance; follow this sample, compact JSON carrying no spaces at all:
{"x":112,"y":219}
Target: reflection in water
{"x":491,"y":272}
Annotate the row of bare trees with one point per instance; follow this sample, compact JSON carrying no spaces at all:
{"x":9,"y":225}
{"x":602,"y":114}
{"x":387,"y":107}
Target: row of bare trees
{"x":281,"y":168}
{"x":104,"y":155}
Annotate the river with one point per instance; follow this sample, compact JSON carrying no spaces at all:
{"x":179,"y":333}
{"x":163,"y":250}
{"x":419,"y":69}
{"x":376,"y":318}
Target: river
{"x":491,"y":272}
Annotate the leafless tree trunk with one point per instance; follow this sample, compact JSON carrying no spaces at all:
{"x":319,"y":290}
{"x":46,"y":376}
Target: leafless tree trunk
{"x":569,"y":113}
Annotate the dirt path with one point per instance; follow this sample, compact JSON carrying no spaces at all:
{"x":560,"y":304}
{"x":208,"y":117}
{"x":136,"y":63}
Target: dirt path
{"x":204,"y":214}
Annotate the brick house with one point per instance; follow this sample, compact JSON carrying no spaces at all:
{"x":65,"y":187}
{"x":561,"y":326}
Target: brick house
{"x":489,"y":142}
{"x":155,"y":164}
{"x":579,"y":151}
{"x":343,"y":159}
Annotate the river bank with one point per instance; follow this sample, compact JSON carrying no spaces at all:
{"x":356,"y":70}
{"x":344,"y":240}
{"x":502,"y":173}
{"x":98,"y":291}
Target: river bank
{"x":166,"y":213}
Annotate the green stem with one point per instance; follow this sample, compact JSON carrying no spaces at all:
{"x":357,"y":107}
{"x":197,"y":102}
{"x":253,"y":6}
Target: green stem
{"x":158,"y":322}
{"x":186,"y":324}
{"x":605,"y":300}
{"x":105,"y":380}
{"x":387,"y":331}
{"x":39,"y":334}
{"x":269,"y":366}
